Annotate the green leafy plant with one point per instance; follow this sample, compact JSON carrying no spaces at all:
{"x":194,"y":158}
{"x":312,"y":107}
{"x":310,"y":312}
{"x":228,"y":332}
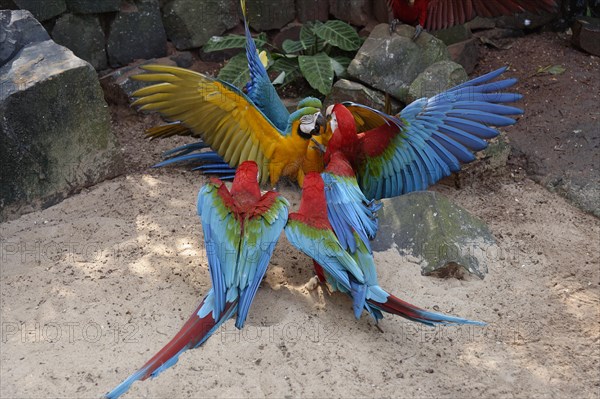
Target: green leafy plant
{"x":322,"y":53}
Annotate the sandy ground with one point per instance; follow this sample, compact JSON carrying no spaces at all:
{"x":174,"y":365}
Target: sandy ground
{"x":92,"y":287}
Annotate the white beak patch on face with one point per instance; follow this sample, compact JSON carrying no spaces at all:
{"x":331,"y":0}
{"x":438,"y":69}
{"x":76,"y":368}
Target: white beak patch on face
{"x":329,"y":110}
{"x":307,"y":123}
{"x":333,"y":122}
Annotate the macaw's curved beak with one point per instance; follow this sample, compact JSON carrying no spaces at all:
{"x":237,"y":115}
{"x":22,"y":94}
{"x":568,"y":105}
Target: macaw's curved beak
{"x":320,"y":124}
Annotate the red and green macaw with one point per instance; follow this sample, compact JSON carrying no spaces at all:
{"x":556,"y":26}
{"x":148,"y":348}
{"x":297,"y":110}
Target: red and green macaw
{"x":241,"y":228}
{"x":347,"y":264}
{"x":237,"y":126}
{"x":385,"y":157}
{"x":426,"y":141}
{"x":441,"y":14}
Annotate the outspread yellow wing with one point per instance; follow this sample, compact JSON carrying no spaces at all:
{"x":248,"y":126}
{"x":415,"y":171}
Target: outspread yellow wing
{"x":218,"y":113}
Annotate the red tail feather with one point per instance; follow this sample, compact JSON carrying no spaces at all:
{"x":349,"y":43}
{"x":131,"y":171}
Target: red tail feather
{"x":399,"y":307}
{"x":192,"y":332}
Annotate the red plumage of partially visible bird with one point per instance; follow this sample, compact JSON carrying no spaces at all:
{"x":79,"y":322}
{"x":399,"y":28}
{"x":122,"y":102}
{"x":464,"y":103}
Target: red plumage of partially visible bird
{"x":441,"y":14}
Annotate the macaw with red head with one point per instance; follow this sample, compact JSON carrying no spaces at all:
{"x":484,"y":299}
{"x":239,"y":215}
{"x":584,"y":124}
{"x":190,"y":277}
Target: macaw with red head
{"x":371,"y":156}
{"x":428,"y":140}
{"x":241,"y":227}
{"x":324,"y":229}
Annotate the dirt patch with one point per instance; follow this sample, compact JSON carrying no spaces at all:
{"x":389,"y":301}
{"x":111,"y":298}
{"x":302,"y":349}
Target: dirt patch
{"x":558,"y":139}
{"x":94,"y":286}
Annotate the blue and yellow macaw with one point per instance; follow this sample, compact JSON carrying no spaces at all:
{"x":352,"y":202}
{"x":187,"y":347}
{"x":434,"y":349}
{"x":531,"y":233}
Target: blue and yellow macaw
{"x":241,"y":228}
{"x":235,"y":125}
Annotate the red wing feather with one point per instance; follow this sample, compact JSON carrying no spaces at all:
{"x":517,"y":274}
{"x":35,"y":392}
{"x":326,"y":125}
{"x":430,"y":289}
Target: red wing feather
{"x":376,"y":141}
{"x":444,"y":14}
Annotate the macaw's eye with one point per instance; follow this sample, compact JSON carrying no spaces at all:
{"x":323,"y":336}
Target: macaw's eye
{"x":307,"y":119}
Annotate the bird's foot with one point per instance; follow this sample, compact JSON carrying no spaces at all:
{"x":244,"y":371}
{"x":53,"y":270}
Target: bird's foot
{"x":418,"y":31}
{"x":393,"y":25}
{"x":312,"y":284}
{"x":379,"y":328}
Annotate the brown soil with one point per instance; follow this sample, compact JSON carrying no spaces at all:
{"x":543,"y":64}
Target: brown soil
{"x":94,"y":286}
{"x":558,"y":140}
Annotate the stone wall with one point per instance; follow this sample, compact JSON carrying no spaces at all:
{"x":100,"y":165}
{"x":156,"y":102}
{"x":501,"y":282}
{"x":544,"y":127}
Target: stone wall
{"x":55,"y":136}
{"x":113,"y":33}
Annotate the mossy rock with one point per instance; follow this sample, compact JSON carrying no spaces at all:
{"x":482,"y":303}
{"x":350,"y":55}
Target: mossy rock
{"x":55,"y":136}
{"x":428,"y":226}
{"x":391,"y":62}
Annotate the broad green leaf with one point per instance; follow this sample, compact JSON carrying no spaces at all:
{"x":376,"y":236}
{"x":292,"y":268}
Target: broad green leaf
{"x":220,"y":43}
{"x":318,"y":71}
{"x":340,"y":65}
{"x":309,"y":38}
{"x":289,"y":66}
{"x":339,"y":34}
{"x":236,"y":71}
{"x":292,"y":46}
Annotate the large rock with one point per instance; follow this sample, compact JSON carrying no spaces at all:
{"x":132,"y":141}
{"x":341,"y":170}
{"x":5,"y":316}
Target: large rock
{"x":190,"y":23}
{"x":381,"y":11}
{"x":93,"y":6}
{"x":437,"y":78}
{"x":500,"y":33}
{"x":526,"y":20}
{"x":355,"y":12}
{"x":346,"y":90}
{"x":290,"y":32}
{"x":427,"y":226}
{"x":455,"y":34}
{"x":136,"y":32}
{"x":42,"y":10}
{"x":392,"y":62}
{"x":55,"y":133}
{"x":586,"y":35}
{"x":17,"y":29}
{"x":83,"y":35}
{"x":270,"y":14}
{"x":465,"y":53}
{"x":8,"y":5}
{"x":479,"y":23}
{"x":312,"y":10}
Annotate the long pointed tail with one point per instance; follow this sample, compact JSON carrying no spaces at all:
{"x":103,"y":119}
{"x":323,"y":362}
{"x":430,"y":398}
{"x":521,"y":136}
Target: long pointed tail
{"x":193,"y":333}
{"x":399,"y":307}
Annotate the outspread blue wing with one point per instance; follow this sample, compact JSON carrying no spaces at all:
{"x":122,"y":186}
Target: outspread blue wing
{"x":437,"y":134}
